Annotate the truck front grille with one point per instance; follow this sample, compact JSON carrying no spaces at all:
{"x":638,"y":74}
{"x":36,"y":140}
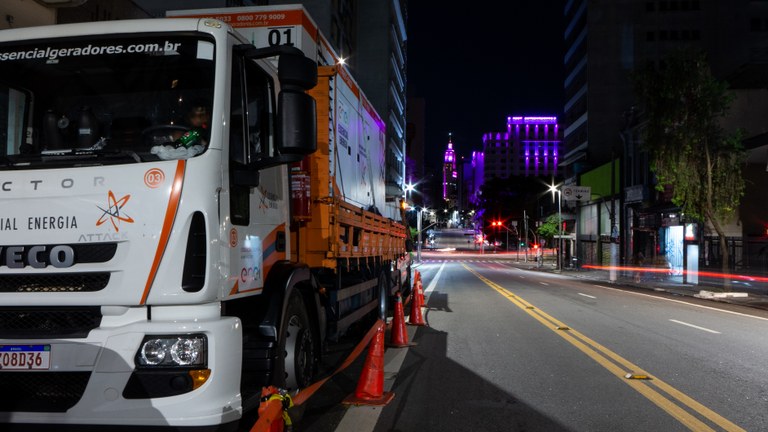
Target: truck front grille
{"x":41,"y":391}
{"x":54,"y":282}
{"x":48,"y":322}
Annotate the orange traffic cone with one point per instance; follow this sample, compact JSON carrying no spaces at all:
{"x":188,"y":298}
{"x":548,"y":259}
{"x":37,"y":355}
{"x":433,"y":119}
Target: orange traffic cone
{"x":415,"y":318}
{"x":370,"y":387}
{"x":399,"y":336}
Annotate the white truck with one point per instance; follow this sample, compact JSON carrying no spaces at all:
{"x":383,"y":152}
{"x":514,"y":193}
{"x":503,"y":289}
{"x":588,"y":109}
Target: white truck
{"x":151,"y":280}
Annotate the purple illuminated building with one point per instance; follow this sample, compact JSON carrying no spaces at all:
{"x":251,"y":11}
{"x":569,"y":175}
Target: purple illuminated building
{"x":450,"y":191}
{"x":529,"y":147}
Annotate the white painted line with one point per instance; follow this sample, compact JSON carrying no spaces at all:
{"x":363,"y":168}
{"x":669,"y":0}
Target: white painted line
{"x":544,"y":283}
{"x":433,"y":282}
{"x":695,"y":326}
{"x":587,"y":295}
{"x":683,"y":302}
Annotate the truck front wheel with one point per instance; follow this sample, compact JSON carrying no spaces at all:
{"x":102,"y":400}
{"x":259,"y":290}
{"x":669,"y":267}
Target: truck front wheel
{"x":298,"y":343}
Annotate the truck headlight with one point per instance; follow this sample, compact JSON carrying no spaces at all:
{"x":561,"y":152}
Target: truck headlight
{"x":173,"y":351}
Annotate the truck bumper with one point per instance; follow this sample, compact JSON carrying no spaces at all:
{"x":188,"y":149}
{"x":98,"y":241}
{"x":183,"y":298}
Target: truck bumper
{"x":87,"y":377}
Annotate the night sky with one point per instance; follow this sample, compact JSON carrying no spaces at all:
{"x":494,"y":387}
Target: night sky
{"x":477,"y":64}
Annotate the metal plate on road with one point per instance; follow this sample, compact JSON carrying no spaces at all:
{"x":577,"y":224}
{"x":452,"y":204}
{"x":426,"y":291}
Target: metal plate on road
{"x":25,"y":357}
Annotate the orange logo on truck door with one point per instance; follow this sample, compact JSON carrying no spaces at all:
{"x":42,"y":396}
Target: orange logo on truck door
{"x":113,"y":213}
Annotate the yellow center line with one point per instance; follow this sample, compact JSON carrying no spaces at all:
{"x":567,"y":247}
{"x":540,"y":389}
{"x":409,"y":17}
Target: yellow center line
{"x":614,"y":363}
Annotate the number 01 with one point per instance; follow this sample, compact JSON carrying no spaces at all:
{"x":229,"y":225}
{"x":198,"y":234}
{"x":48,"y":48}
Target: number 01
{"x":276,"y":37}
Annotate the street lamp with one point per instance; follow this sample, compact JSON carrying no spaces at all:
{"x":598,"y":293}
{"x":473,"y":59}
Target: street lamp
{"x":553,"y":189}
{"x":409,"y":187}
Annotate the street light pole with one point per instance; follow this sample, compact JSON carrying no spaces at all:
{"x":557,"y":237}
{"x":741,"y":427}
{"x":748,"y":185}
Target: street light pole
{"x":418,"y":228}
{"x":560,"y":228}
{"x":525,"y":231}
{"x":554,"y":189}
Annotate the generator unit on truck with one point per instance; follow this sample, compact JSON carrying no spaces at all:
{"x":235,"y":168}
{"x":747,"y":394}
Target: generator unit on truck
{"x":157,"y":270}
{"x":343,"y":223}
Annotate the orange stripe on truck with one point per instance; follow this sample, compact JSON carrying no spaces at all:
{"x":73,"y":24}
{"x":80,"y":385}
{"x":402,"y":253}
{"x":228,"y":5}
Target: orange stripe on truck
{"x":165,"y":234}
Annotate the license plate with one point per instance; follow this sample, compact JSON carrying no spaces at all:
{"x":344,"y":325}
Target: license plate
{"x":25,"y":357}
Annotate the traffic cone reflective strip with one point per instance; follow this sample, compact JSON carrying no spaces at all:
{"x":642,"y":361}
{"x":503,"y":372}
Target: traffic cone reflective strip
{"x":420,"y":293}
{"x":399,"y":334}
{"x":370,"y":387}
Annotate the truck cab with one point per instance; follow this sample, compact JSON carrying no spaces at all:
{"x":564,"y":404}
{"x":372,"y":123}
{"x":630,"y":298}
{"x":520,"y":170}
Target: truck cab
{"x":132,"y":243}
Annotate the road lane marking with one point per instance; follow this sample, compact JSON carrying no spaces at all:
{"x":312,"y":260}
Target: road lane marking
{"x":683,"y":302}
{"x":694,"y":326}
{"x":433,"y":282}
{"x":587,"y":295}
{"x":544,"y":283}
{"x":620,"y":367}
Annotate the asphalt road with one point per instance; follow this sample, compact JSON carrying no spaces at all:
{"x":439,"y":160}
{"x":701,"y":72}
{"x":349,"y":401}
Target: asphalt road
{"x":509,"y":349}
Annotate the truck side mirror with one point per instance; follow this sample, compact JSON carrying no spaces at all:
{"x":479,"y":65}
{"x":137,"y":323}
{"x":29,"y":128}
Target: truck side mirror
{"x":297,"y":133}
{"x":296,"y":110}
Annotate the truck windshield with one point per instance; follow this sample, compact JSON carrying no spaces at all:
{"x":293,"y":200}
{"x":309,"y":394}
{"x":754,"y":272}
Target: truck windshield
{"x":104,"y":100}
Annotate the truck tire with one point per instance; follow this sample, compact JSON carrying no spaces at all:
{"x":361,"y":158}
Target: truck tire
{"x":298,"y":345}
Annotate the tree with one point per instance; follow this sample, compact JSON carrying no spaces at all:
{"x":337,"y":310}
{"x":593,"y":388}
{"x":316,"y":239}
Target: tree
{"x":550,"y":228}
{"x":688,"y":148}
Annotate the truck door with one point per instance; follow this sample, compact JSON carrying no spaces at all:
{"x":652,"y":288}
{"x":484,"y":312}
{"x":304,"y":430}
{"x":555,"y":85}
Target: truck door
{"x":257,"y":199}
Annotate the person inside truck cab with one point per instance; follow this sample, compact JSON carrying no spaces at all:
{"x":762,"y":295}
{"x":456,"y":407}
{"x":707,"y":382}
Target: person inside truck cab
{"x":198,"y":121}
